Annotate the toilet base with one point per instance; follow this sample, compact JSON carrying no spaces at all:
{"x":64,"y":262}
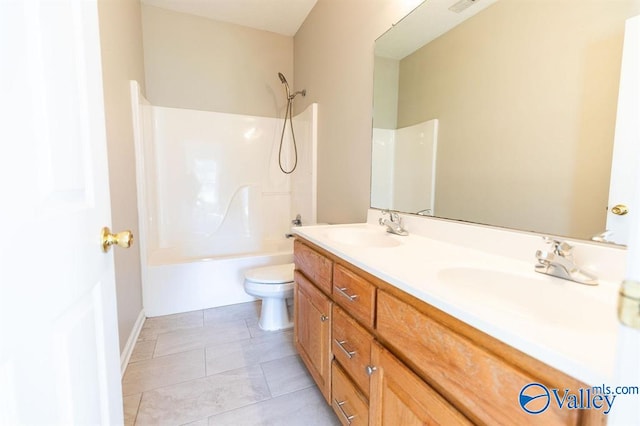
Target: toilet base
{"x":274,"y":314}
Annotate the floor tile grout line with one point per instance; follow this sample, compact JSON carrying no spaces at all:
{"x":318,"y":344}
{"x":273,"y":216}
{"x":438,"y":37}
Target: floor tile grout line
{"x":135,"y":418}
{"x":178,"y":329}
{"x":191,"y":329}
{"x":264,"y":375}
{"x":166,"y":386}
{"x":155,"y":345}
{"x":205,"y":363}
{"x":234,"y":340}
{"x":196,"y":327}
{"x":164,"y":356}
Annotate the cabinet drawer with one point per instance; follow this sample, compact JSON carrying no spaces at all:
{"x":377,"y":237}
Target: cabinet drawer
{"x":476,"y":381}
{"x":314,"y":265}
{"x":355,"y":294}
{"x":350,"y":406}
{"x":351,"y":346}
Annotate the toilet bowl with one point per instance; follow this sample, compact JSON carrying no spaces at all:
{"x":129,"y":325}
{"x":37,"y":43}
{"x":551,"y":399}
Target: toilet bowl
{"x":273,"y":284}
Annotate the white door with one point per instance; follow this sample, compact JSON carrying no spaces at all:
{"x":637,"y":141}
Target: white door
{"x":621,"y":211}
{"x":627,"y":410}
{"x":59,"y":361}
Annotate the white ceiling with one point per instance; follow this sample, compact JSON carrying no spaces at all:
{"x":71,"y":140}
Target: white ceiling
{"x":427,"y":22}
{"x":278,"y":16}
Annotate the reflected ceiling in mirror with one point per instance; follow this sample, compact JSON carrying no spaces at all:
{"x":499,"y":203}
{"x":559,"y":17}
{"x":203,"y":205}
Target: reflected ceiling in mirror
{"x":522,"y":96}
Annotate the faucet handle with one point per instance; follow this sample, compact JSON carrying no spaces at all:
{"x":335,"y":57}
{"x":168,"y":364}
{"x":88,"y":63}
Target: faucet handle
{"x":561,"y":248}
{"x":391,"y":213}
{"x":394,"y":216}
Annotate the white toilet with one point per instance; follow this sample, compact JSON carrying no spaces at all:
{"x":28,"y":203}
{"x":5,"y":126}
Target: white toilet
{"x":273,"y":284}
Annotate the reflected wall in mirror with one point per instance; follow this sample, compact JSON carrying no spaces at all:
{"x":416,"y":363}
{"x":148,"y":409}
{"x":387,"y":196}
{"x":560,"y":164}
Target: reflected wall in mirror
{"x":522,"y":99}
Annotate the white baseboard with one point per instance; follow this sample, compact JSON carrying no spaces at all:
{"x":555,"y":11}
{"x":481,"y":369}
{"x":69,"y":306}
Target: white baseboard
{"x":131,"y":342}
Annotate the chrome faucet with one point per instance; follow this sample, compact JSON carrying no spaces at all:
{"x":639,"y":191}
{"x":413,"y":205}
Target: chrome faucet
{"x":295,"y":222}
{"x":393,"y":224}
{"x":559,"y":263}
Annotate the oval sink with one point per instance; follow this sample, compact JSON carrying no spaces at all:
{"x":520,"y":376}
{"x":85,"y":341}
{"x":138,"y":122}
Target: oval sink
{"x":362,"y":237}
{"x":533,"y":297}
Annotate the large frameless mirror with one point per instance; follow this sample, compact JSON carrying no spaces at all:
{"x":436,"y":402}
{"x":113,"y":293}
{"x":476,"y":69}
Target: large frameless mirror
{"x":501,"y":113}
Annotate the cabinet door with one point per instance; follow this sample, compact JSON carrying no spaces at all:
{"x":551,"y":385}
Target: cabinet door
{"x":312,"y":331}
{"x":399,"y":397}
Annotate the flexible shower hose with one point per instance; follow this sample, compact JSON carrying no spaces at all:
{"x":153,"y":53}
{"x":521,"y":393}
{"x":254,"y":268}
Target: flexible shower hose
{"x":288,"y":113}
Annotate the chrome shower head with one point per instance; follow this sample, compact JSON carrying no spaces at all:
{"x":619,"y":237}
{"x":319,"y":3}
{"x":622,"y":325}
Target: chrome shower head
{"x":286,"y":85}
{"x":290,"y":96}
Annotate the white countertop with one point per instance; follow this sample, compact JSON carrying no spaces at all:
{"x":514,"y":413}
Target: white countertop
{"x":569,"y":326}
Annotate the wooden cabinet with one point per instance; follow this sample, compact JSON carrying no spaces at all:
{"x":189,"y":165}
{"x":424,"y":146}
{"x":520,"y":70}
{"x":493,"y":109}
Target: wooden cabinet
{"x":399,"y":397}
{"x":371,"y":347}
{"x":312,"y":331}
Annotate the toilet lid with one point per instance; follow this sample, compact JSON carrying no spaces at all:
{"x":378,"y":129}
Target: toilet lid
{"x":271,"y":274}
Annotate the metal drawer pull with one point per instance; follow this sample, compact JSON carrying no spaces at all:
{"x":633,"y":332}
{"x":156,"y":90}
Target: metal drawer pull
{"x":347,"y":417}
{"x":370,"y":369}
{"x":343,"y":291}
{"x":340,"y":344}
{"x":324,"y":318}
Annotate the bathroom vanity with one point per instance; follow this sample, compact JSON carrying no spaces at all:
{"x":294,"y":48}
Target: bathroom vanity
{"x":382,"y":353}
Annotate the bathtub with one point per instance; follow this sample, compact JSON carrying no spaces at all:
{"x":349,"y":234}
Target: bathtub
{"x":180,"y":284}
{"x":212,"y":202}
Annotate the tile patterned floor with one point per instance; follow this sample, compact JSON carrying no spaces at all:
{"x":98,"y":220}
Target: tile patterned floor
{"x":217,"y":367}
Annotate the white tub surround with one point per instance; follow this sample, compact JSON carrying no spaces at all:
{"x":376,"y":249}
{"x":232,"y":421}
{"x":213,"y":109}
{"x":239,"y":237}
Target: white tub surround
{"x":212,"y":201}
{"x":403,"y":160}
{"x":485,"y":277}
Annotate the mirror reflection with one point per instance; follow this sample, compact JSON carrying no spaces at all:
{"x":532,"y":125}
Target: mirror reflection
{"x":506,"y":119}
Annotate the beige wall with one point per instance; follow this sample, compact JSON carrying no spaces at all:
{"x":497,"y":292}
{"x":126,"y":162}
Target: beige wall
{"x":333,"y":51}
{"x":198,"y":63}
{"x":385,"y":92}
{"x":121,"y":43}
{"x":527,"y":113}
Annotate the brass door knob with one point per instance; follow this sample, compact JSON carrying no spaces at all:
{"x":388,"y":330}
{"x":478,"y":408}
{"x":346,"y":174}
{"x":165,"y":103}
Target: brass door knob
{"x":122,"y":239}
{"x":620,"y":209}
